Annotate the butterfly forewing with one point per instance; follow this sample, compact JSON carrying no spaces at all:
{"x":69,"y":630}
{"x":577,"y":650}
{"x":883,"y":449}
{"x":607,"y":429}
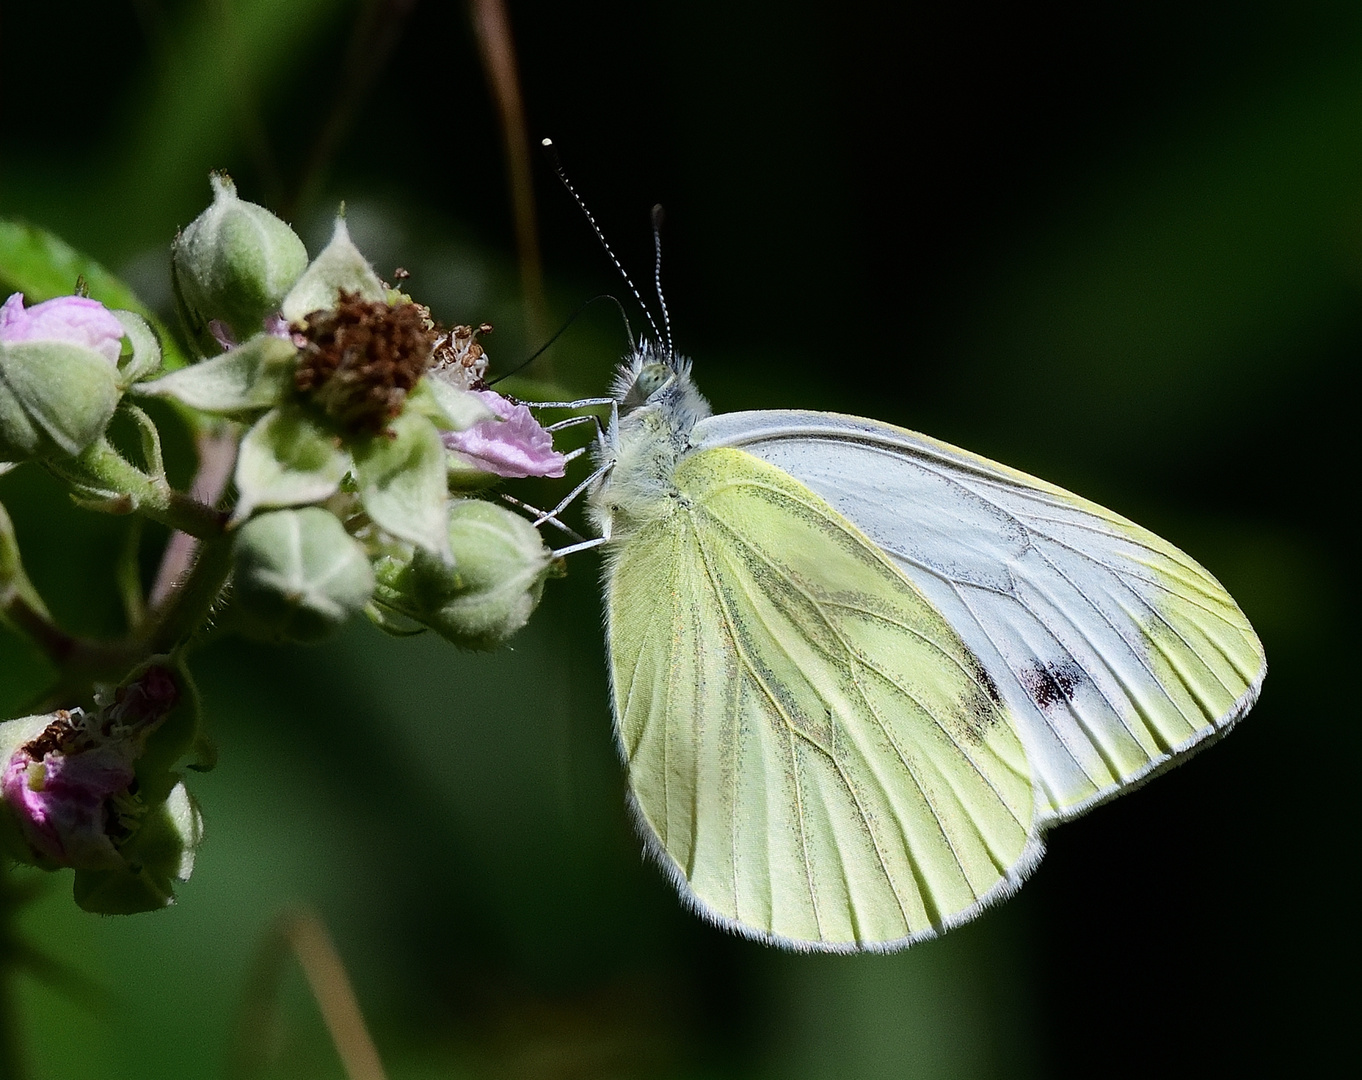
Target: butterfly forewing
{"x":819,"y":756}
{"x":1114,"y":650}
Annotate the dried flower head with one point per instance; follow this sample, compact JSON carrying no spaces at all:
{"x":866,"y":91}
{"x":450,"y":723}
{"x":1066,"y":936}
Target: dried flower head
{"x":359,"y":360}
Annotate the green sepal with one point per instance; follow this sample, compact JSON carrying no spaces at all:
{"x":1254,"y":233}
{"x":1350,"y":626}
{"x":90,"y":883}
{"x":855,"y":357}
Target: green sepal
{"x":393,"y":623}
{"x":298,"y":575}
{"x":448,"y":407}
{"x":55,"y":397}
{"x":461,"y":475}
{"x":287,"y":459}
{"x":159,"y":857}
{"x":400,"y":476}
{"x":339,"y":266}
{"x":144,"y":360}
{"x":254,"y":376}
{"x":179,"y":739}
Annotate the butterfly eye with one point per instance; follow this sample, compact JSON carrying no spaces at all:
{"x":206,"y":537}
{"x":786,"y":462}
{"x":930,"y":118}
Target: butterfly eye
{"x":651,"y":378}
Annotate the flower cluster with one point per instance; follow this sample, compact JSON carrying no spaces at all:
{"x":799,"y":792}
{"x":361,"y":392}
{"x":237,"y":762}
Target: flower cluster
{"x":358,"y":406}
{"x":365,"y":436}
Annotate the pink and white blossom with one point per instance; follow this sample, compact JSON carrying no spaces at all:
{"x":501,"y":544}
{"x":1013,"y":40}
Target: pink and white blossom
{"x":515,"y":445}
{"x":76,"y":320}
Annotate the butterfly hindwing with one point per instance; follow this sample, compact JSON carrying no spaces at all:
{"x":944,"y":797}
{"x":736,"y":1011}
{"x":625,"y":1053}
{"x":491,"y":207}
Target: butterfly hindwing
{"x":817,"y":755}
{"x":1114,"y":651}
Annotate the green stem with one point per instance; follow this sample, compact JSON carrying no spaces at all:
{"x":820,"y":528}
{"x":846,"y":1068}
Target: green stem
{"x":20,"y":604}
{"x":186,"y":610}
{"x":123,"y":488}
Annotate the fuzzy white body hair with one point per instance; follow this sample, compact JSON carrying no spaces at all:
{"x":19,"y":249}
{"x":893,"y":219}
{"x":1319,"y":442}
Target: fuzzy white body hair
{"x":658,"y":407}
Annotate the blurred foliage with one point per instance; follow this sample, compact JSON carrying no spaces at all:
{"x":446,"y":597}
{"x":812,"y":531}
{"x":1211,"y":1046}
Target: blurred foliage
{"x":1117,"y":245}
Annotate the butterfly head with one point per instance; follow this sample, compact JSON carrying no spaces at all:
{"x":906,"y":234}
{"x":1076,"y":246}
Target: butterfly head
{"x":653,"y":377}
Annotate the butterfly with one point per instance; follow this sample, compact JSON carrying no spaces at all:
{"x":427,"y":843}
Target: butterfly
{"x":858,"y":673}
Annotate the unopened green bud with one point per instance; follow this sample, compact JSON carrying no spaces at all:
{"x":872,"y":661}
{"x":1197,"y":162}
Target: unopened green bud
{"x":59,"y":381}
{"x":235,"y":262}
{"x":492,"y":588}
{"x":299,"y":575}
{"x":54,"y":398}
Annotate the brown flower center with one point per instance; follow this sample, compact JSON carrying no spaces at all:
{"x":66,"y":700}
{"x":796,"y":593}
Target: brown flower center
{"x":362,"y":358}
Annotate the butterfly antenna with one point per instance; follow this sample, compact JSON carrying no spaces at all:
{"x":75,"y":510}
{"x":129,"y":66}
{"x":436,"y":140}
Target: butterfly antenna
{"x":657,"y":277}
{"x":562,"y":176}
{"x":560,"y":331}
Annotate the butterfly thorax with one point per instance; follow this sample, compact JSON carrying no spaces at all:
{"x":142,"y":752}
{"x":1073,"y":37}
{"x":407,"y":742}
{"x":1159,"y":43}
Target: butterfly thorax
{"x":658,"y":407}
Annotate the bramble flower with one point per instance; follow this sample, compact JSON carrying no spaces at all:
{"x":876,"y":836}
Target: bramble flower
{"x":72,"y":795}
{"x":514,"y":444}
{"x":58,"y":791}
{"x":357,"y":393}
{"x":75,"y":320}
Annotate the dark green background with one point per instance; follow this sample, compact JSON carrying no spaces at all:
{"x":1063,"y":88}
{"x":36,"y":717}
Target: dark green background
{"x":1116,"y":245}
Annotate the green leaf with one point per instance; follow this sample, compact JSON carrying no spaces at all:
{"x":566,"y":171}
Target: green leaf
{"x":287,"y":459}
{"x":42,"y":266}
{"x":256,"y":375}
{"x":401,"y":478}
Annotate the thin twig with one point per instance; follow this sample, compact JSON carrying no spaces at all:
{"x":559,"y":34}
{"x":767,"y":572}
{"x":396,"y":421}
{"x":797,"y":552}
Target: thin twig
{"x":217,"y":456}
{"x":376,"y":33}
{"x":304,"y":934}
{"x":493,"y":28}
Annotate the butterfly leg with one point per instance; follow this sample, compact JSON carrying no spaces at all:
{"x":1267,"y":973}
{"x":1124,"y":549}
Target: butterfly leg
{"x":607,"y":438}
{"x":542,"y":518}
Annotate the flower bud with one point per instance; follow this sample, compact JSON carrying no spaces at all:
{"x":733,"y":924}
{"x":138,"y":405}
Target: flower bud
{"x":58,"y":375}
{"x":299,"y":575}
{"x":235,"y":262}
{"x":493,"y":586}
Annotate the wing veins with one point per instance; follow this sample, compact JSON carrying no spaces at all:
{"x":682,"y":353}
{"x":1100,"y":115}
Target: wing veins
{"x":847,"y":783}
{"x":850,"y":651}
{"x":1059,"y":736}
{"x":791,"y":730}
{"x":853,"y":652}
{"x":1145,"y":715}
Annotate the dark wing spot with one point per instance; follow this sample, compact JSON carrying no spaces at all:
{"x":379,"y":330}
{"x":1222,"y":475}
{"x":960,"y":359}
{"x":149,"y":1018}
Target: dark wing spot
{"x":981,"y":676}
{"x":1050,"y":684}
{"x":981,"y":701}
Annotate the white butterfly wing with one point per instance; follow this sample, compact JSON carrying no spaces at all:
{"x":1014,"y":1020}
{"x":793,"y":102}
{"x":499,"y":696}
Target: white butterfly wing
{"x":1115,"y":651}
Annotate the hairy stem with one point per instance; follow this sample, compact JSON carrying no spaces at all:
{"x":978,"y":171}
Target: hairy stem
{"x":187,"y":608}
{"x":115,"y":484}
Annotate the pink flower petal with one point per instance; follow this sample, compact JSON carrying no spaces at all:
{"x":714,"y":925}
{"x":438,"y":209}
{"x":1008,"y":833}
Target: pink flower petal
{"x":60,"y":802}
{"x":76,"y":320}
{"x":514,"y":446}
